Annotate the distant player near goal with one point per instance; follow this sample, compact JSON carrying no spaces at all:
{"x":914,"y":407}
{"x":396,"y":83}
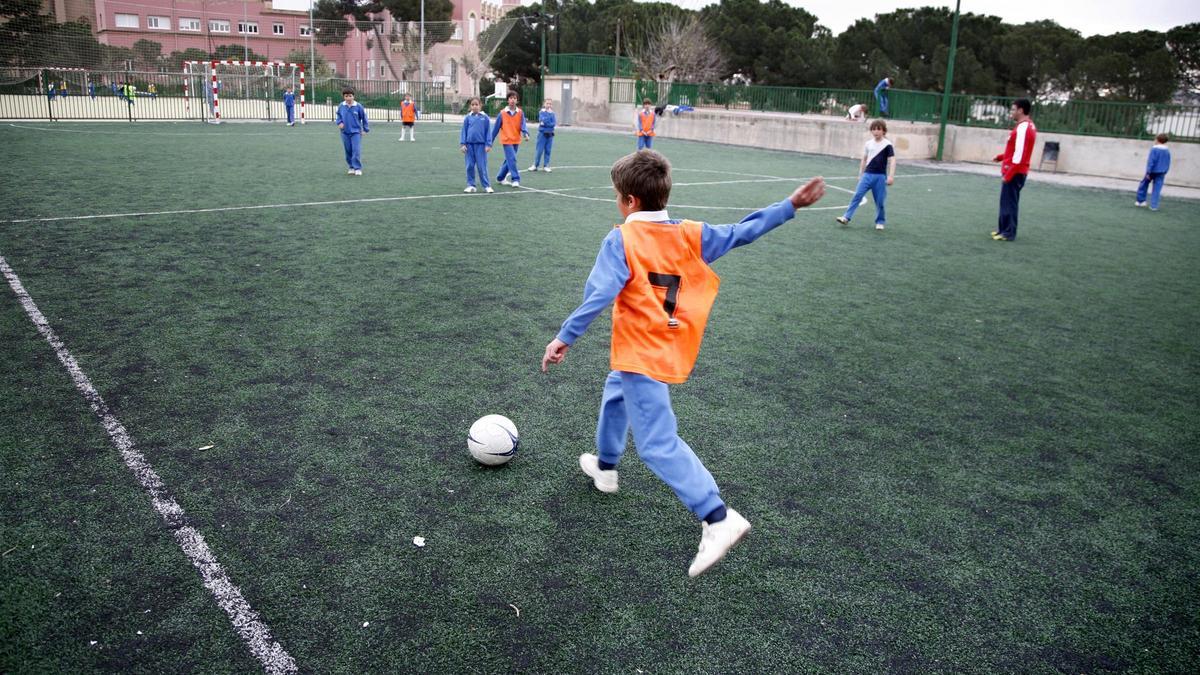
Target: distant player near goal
{"x":857,"y":113}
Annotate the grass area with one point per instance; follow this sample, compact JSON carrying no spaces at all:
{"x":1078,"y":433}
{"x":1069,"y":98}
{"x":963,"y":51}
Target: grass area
{"x":958,"y":455}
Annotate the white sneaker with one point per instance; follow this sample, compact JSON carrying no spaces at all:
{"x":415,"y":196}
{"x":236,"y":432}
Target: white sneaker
{"x":470,"y":188}
{"x":863,"y":202}
{"x":488,"y":189}
{"x":516,"y":183}
{"x":349,"y":172}
{"x":358,"y":172}
{"x":547,"y":169}
{"x":879,"y":226}
{"x":506,"y":182}
{"x":1139,"y":203}
{"x":532,"y":168}
{"x":843,"y":220}
{"x":716,"y":540}
{"x":605,"y":481}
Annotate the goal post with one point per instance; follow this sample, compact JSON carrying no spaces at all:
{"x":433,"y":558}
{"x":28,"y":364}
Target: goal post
{"x":248,"y":89}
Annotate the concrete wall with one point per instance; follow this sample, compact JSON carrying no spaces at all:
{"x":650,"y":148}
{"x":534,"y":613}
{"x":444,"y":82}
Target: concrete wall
{"x":589,"y":98}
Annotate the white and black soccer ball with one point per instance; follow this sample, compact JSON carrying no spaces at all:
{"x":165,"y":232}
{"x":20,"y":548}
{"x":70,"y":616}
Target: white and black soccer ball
{"x":493,"y":440}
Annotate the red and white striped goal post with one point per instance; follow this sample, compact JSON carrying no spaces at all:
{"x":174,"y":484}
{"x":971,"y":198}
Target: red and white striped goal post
{"x":213,"y":83}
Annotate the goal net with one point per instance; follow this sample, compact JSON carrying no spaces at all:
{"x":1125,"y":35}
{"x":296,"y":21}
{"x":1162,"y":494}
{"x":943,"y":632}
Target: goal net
{"x":243,"y":90}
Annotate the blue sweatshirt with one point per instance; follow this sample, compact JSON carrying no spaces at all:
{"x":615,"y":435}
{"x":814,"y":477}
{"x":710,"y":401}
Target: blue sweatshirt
{"x":354,"y":117}
{"x":476,"y":129}
{"x":611,"y":271}
{"x":1159,"y":160}
{"x":289,"y":99}
{"x":546,"y":121}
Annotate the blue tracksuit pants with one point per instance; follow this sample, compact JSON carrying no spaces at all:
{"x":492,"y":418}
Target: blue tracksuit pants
{"x":509,"y":167}
{"x":643,"y":404}
{"x":1010,"y":202}
{"x":882,"y":99}
{"x":645,"y":142}
{"x":876,"y":183}
{"x":1155,"y":193}
{"x":353,"y":145}
{"x":476,"y":159}
{"x":544,"y":144}
{"x":291,"y":113}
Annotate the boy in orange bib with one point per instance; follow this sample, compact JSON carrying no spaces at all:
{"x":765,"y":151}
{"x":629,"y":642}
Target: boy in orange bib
{"x":656,"y":272}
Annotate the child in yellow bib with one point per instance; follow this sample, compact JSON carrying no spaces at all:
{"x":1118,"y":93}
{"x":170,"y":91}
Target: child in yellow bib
{"x":656,"y":272}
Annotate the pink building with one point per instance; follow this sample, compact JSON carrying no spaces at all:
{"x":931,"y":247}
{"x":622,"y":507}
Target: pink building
{"x":279,"y":28}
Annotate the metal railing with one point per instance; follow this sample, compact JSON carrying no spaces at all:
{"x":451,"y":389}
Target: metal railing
{"x":590,"y":64}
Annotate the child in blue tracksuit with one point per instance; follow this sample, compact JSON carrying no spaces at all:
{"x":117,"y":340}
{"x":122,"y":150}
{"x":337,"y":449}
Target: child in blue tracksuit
{"x":546,"y":123}
{"x":1157,"y":165}
{"x":510,"y":128}
{"x":881,"y":95}
{"x":476,"y":143}
{"x":289,"y":104}
{"x":352,"y":120}
{"x":877,"y":170}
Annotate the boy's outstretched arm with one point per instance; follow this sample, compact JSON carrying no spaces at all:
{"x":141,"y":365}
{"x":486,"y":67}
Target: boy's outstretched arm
{"x":556,"y":351}
{"x":809,"y":193}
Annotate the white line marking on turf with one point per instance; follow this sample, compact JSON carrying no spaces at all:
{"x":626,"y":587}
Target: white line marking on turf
{"x":246,"y":621}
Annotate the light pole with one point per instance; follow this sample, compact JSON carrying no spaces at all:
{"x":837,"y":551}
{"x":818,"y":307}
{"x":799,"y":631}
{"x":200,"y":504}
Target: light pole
{"x":949,"y":82}
{"x":312,"y":47}
{"x":421,"y":75}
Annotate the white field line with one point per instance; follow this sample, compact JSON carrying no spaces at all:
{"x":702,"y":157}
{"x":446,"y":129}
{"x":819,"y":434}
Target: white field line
{"x":210,"y":134}
{"x":754,"y":178}
{"x":245,"y":620}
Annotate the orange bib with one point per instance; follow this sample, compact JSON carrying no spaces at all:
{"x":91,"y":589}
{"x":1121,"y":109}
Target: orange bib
{"x":659,"y":317}
{"x":647,"y":124}
{"x":510,"y":127}
{"x":408,"y":112}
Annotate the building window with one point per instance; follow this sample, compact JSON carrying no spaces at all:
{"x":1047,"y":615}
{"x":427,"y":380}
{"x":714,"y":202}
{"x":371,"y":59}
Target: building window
{"x":305,"y":31}
{"x":158,"y":22}
{"x":457,"y":32}
{"x":370,"y":68}
{"x":218,"y":26}
{"x":192,"y":25}
{"x":127,"y":21}
{"x":382,"y":71}
{"x":471,"y":27}
{"x":247,"y":28}
{"x":277,"y":29}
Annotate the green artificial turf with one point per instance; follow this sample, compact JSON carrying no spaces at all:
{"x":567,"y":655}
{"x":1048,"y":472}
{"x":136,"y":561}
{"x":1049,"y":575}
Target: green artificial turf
{"x":958,"y":455}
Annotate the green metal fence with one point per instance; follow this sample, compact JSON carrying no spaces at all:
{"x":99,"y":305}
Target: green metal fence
{"x":590,"y":64}
{"x":1091,"y":118}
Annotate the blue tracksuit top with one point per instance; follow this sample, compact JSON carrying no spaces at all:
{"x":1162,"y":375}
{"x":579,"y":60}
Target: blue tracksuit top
{"x":354,"y":117}
{"x":883,"y":84}
{"x":546,"y":121}
{"x":1159,"y":160}
{"x":476,"y":128}
{"x":289,"y":99}
{"x":611,"y":271}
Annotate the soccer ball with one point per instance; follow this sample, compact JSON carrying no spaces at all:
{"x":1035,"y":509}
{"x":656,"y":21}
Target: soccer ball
{"x":493,"y":440}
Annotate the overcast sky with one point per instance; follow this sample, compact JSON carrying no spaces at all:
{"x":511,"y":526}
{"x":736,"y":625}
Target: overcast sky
{"x":1090,"y":17}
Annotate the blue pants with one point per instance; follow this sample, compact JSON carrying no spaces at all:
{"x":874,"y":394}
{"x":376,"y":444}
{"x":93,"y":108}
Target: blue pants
{"x":353,"y":144}
{"x":632,"y":400}
{"x":544,"y":144}
{"x":477,"y":163}
{"x":291,"y":113}
{"x":1010,"y":201}
{"x":509,"y":166}
{"x":1156,"y":193}
{"x":645,"y":142}
{"x":882,"y":100}
{"x":877,"y":184}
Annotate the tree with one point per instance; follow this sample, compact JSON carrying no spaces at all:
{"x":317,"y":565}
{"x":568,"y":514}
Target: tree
{"x":516,"y":58}
{"x":339,"y":17}
{"x":1037,"y":58}
{"x":1184,"y":44}
{"x":1128,"y":66}
{"x":679,"y":50}
{"x":176,"y":59}
{"x":320,"y":69}
{"x":770,"y":42}
{"x":147,"y":54}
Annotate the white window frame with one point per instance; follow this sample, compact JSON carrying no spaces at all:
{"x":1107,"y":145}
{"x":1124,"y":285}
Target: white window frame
{"x":471,"y":27}
{"x":277,"y":28}
{"x":305,"y":31}
{"x":127,"y":21}
{"x":218,"y":26}
{"x":191,"y":24}
{"x":158,"y":22}
{"x":247,"y":28}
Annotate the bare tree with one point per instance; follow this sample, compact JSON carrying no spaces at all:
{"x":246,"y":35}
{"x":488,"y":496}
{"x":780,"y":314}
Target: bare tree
{"x":679,"y":50}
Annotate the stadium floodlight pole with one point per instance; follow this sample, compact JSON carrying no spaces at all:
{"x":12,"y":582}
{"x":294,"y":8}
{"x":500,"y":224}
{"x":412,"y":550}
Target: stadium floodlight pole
{"x":949,"y":81}
{"x":421,"y":75}
{"x":312,"y":47}
{"x":245,"y":36}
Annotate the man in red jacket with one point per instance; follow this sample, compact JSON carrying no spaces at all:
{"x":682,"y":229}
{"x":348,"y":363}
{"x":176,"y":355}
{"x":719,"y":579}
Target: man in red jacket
{"x":1014,"y":167}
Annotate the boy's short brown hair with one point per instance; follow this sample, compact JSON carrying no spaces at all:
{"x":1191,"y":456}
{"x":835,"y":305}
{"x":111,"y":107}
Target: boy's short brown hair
{"x":646,"y":101}
{"x":644,"y":174}
{"x":878,"y":124}
{"x":1162,"y":138}
{"x":512,"y":95}
{"x":347,"y":90}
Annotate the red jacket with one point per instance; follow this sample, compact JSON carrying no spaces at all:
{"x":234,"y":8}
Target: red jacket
{"x":1015,"y":158}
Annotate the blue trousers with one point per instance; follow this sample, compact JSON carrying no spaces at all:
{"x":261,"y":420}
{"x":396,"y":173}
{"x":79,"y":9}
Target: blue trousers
{"x":882,"y":100}
{"x":353,"y":144}
{"x":477,"y":164}
{"x":509,"y":166}
{"x":291,"y":113}
{"x":645,"y":142}
{"x":877,"y":184}
{"x":1010,"y":201}
{"x":544,"y":144}
{"x":643,"y":404}
{"x":1156,"y":193}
